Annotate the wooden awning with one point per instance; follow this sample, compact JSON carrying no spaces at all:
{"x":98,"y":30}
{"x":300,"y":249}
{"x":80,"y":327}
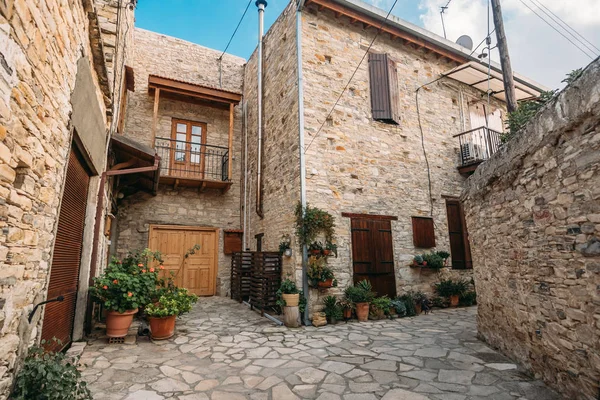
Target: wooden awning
{"x":168,"y":85}
{"x":128,"y":154}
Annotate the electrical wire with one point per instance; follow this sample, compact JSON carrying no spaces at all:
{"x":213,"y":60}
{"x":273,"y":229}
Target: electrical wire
{"x":236,"y":29}
{"x":553,"y":27}
{"x":586,"y":43}
{"x":480,"y":43}
{"x":351,"y":77}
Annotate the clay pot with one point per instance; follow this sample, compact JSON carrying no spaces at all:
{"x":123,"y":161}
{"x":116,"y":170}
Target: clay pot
{"x":327,"y":284}
{"x":454,"y":300}
{"x":347,"y":313}
{"x":291,"y":300}
{"x":163,"y":327}
{"x":418,"y":308}
{"x":362,"y":311}
{"x":117,"y":324}
{"x":326,"y":252}
{"x":315,"y":252}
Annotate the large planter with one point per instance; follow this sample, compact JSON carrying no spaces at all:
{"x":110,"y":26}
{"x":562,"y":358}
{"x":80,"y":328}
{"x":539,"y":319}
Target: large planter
{"x":362,"y":311}
{"x":162,"y":327}
{"x":117,"y":324}
{"x":327,"y":284}
{"x":418,"y":308}
{"x":454,"y":300}
{"x":291,"y":300}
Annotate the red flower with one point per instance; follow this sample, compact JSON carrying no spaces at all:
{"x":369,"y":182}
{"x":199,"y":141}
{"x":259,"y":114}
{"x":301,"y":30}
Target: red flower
{"x":129,"y":294}
{"x":104,"y":287}
{"x":115,"y":281}
{"x":140,"y":265}
{"x":151,"y":269}
{"x":144,"y":271}
{"x":161,"y":267}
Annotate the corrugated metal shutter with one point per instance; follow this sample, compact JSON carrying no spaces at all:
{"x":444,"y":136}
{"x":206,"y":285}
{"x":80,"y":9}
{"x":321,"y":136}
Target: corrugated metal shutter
{"x":383,"y":78}
{"x":66,"y":259}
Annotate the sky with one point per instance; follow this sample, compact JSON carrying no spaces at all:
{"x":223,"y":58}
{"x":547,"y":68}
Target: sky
{"x":537,"y":51}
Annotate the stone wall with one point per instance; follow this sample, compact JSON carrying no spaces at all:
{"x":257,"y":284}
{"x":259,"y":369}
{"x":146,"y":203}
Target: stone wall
{"x":533,"y":213}
{"x":359,"y":165}
{"x":281,"y":165}
{"x":177,"y":59}
{"x":37,"y":79}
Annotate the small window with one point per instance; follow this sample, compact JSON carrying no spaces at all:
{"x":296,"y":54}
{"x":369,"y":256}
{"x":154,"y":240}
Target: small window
{"x":385,"y":100}
{"x":423,"y":232}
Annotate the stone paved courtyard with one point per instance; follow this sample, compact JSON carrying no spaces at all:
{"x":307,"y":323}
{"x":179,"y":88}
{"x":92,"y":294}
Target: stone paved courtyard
{"x":224,"y":351}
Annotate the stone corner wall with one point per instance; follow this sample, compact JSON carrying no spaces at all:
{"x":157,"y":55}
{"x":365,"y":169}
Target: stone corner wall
{"x":533,"y":213}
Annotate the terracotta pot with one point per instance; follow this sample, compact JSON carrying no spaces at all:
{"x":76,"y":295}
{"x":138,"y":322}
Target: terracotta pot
{"x":162,"y":327}
{"x":418,"y":308}
{"x":454,"y":300}
{"x":326,"y":252}
{"x":315,"y":252}
{"x":291,"y":300}
{"x":362,"y":311}
{"x":347,"y":313}
{"x":117,"y":324}
{"x":327,"y":284}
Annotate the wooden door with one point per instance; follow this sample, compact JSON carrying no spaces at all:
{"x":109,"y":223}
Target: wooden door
{"x":188,"y":151}
{"x":66,"y":258}
{"x":198,"y":271}
{"x":373,"y":254}
{"x":459,"y":237}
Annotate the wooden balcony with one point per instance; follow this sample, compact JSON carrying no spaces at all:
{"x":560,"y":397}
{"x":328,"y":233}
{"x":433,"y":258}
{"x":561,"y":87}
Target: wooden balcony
{"x":476,"y":146}
{"x":189,"y":164}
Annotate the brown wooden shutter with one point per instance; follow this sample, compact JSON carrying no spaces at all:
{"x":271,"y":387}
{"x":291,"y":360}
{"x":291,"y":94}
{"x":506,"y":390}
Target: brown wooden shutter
{"x":423,"y":232}
{"x":66,"y":259}
{"x":383,"y":77}
{"x":232,"y":242}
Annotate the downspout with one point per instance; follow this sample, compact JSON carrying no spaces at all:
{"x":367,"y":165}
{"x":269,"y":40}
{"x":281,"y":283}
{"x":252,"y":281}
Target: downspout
{"x":245,"y":119}
{"x":305,"y":288}
{"x":261,"y":4}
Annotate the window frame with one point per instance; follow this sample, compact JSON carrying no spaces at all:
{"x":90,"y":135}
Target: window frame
{"x":188,"y":165}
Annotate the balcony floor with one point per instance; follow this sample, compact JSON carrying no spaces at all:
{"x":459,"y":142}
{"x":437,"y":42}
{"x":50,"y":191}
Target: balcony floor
{"x":201,"y":184}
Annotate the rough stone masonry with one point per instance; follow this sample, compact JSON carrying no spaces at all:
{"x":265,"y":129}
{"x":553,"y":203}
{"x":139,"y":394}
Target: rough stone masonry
{"x":533,"y":213}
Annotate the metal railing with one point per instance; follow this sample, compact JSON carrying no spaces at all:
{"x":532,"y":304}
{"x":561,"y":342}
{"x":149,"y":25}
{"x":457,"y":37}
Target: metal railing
{"x":189,"y":160}
{"x":477,"y":145}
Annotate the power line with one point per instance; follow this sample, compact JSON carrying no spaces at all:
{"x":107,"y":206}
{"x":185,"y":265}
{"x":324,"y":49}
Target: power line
{"x":553,"y":27}
{"x":480,"y":43}
{"x":236,"y":29}
{"x":351,"y":77}
{"x":567,"y":27}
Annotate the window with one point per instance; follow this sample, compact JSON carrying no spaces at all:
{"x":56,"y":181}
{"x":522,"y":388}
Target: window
{"x":383,"y":77}
{"x":187,"y":146}
{"x":423,"y":232}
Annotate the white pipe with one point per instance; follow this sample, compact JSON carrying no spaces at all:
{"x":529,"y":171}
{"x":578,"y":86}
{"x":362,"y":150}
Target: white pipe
{"x":261,"y":4}
{"x":305,"y":288}
{"x":245,"y":233}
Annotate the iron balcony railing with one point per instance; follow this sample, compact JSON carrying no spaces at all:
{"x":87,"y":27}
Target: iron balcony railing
{"x":477,"y":145}
{"x":190,"y":160}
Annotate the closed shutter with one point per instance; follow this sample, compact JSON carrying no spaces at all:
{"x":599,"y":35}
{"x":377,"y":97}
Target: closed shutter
{"x":423,"y":232}
{"x":66,"y":259}
{"x":383,"y":78}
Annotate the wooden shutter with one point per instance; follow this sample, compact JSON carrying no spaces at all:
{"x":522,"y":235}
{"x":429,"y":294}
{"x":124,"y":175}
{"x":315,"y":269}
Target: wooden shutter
{"x":459,"y":237}
{"x":66,"y":259}
{"x":423,"y":232}
{"x":232,"y":242}
{"x":383,"y":77}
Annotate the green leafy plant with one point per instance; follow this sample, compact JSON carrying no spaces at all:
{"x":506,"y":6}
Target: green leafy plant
{"x":443,"y":254}
{"x":332,"y":309}
{"x":332,"y":248}
{"x":316,"y":247}
{"x":409,"y":303}
{"x":440,"y":302}
{"x":399,"y":307}
{"x":360,"y":293}
{"x":382,"y":303}
{"x":449,"y":287}
{"x":302,"y":303}
{"x":433,"y":260}
{"x":418,"y":259}
{"x":468,"y":298}
{"x":176,"y":302}
{"x":50,"y":376}
{"x":312,"y":221}
{"x":573,"y":76}
{"x":346,"y":304}
{"x":517,"y":120}
{"x":318,"y":271}
{"x":287,"y":286}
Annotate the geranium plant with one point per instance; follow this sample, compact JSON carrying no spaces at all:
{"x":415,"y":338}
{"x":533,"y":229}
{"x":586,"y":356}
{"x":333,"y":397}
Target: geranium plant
{"x":177,"y":302}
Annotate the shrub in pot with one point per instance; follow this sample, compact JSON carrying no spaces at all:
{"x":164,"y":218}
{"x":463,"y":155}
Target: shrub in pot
{"x":409,"y":303}
{"x":399,"y":307}
{"x":360,"y":295}
{"x":346,"y":306}
{"x":468,"y":298}
{"x":330,"y":249}
{"x":380,"y":307}
{"x":162,"y":315}
{"x":451,"y":289}
{"x":288,"y":294}
{"x":319,"y":274}
{"x":333,"y":309}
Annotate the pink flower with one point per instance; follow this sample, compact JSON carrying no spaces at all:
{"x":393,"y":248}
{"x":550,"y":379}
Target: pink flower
{"x":104,"y":287}
{"x":115,"y":281}
{"x":151,"y":269}
{"x":129,"y":294}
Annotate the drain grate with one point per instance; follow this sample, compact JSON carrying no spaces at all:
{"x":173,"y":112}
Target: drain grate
{"x":116,"y":340}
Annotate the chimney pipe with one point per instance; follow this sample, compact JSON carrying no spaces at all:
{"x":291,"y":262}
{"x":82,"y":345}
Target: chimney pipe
{"x":261,"y":4}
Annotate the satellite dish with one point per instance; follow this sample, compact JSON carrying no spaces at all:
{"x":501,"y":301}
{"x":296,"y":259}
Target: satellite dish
{"x":465,"y":41}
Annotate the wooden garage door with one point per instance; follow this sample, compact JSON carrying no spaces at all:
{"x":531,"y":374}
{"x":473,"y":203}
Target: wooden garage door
{"x":373,"y":255}
{"x":66,"y":259}
{"x":197,"y":272}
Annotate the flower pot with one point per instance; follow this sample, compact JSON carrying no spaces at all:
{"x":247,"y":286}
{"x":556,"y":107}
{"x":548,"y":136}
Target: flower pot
{"x":291,"y":300}
{"x":287,"y":252}
{"x":117,"y":324}
{"x":315,"y":252}
{"x":326,"y":252}
{"x":327,"y":284}
{"x":163,"y":327}
{"x":454,"y":300}
{"x":418,"y":308}
{"x":347,"y":313}
{"x":362,"y":311}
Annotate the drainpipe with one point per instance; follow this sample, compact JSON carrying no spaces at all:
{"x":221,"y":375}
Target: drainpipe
{"x":261,"y":4}
{"x":305,"y":288}
{"x":245,"y":119}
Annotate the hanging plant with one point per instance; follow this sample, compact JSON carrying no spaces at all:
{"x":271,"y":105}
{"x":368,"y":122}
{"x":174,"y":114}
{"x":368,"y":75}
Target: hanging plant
{"x":312,"y":221}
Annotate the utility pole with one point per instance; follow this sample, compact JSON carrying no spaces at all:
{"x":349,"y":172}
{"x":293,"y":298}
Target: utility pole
{"x":507,"y":73}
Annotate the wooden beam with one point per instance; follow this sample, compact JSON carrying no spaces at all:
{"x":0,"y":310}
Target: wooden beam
{"x":155,"y":113}
{"x":369,"y":216}
{"x":230,"y":157}
{"x":192,"y":89}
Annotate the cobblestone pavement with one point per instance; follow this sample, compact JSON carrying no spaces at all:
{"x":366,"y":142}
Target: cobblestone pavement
{"x":224,"y":351}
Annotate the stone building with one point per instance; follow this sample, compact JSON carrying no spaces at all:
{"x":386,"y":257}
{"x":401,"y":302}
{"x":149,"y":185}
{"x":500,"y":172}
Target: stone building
{"x":533,"y":213}
{"x":61,"y":73}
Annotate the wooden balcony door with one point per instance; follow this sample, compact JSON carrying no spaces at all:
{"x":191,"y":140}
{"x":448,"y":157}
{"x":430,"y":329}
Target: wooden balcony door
{"x":196,"y":272}
{"x":188,"y":150}
{"x":373,"y":253}
{"x":460,"y":249}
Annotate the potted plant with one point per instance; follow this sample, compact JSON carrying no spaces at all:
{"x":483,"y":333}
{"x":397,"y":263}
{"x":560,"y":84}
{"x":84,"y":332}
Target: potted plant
{"x":330,"y":248}
{"x":409,"y":303}
{"x":332,"y":309}
{"x":312,"y":221}
{"x":360,"y":295}
{"x":418,"y":261}
{"x":380,"y":307}
{"x":433,"y":260}
{"x":123,"y":287}
{"x":419,"y":297}
{"x":347,"y":306}
{"x":398,"y":307}
{"x":315,"y":248}
{"x":162,"y":315}
{"x":444,"y":255}
{"x":288,"y":294}
{"x":451,"y":289}
{"x":285,"y":246}
{"x":319,"y":274}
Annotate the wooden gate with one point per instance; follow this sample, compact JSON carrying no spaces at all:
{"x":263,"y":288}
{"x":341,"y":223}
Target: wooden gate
{"x":66,"y":258}
{"x":197,"y":272}
{"x":373,"y":253}
{"x":459,"y":238}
